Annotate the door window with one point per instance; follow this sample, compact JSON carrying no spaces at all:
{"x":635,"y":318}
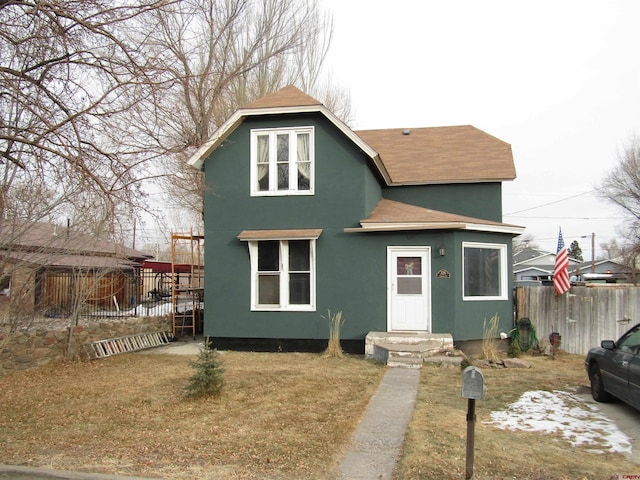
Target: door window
{"x":409,"y":275}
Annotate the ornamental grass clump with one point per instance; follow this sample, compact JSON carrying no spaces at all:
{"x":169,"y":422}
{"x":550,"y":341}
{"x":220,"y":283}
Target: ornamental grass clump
{"x":207,"y":381}
{"x":334,"y":349}
{"x":490,"y":339}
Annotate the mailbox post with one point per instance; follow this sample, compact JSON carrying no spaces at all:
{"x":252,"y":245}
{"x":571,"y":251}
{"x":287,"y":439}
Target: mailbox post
{"x":472,"y":389}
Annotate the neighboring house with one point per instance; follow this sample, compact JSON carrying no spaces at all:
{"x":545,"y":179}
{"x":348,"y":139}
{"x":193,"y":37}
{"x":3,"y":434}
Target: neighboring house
{"x":51,"y":270}
{"x":533,"y":264}
{"x":603,"y":266}
{"x":538,"y":265}
{"x":399,"y":229}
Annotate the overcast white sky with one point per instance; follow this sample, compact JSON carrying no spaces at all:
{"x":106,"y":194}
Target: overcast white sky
{"x":558,"y":80}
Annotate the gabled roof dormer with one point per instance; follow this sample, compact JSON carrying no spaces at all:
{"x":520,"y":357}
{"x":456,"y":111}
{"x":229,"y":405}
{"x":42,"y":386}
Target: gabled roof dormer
{"x":285,"y":101}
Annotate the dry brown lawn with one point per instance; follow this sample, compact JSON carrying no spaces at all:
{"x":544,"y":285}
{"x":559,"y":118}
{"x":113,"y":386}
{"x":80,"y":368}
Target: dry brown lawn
{"x":281,"y":416}
{"x":435,"y":447}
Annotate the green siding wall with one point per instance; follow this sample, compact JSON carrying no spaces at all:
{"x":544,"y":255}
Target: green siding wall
{"x":346,"y":189}
{"x":478,"y":200}
{"x":351,"y":268}
{"x":471,"y":314}
{"x":351,"y":276}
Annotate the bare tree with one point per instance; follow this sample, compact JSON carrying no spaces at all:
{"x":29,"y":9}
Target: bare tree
{"x":621,"y":187}
{"x":206,"y":58}
{"x":64,"y":67}
{"x":521,"y":242}
{"x":626,"y":254}
{"x":611,"y":250}
{"x":98,"y":97}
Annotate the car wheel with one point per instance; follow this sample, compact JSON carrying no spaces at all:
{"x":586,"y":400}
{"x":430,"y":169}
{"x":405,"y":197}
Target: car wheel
{"x":597,"y":385}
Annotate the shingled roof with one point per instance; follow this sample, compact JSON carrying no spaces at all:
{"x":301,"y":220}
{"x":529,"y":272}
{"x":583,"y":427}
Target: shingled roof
{"x":286,"y":97}
{"x":46,"y":244}
{"x":457,"y":154}
{"x":420,"y":156}
{"x":391,"y":215}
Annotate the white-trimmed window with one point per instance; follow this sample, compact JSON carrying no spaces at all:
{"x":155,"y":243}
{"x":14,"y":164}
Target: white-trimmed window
{"x":282,"y":161}
{"x":283,"y":269}
{"x":484,"y":271}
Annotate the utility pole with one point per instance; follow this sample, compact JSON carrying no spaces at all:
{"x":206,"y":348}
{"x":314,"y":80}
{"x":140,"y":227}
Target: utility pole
{"x":593,"y":252}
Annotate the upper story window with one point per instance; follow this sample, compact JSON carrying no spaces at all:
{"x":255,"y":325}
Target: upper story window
{"x":485,"y":271}
{"x":282,"y":161}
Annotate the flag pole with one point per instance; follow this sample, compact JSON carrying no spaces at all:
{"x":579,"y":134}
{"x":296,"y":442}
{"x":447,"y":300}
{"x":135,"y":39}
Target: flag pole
{"x":561,"y":283}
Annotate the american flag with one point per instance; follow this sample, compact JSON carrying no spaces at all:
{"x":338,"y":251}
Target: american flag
{"x":561,"y":272}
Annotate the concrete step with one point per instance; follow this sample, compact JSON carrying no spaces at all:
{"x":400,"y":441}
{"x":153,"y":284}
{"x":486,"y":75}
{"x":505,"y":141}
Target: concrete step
{"x":413,"y":356}
{"x":407,"y":356}
{"x":406,"y":349}
{"x":404,"y":362}
{"x":434,"y":341}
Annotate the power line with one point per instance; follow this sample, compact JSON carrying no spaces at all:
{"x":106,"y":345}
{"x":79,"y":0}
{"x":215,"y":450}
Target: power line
{"x":567,"y":218}
{"x":549,"y":203}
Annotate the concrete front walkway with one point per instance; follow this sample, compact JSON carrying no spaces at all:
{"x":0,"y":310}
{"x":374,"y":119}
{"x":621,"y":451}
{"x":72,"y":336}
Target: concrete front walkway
{"x":377,"y":443}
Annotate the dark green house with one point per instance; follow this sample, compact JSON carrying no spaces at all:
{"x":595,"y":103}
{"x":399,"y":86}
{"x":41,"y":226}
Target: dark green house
{"x":399,"y":229}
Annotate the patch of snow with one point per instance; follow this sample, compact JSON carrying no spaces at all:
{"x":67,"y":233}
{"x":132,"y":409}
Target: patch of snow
{"x":142,"y":310}
{"x":579,"y":423}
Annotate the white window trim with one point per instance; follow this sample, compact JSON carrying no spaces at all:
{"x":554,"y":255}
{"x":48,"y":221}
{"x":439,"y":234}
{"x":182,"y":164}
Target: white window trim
{"x":504,"y":281}
{"x":284,"y":279}
{"x":272,"y":132}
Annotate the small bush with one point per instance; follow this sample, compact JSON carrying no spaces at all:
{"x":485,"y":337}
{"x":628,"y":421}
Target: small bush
{"x":514,"y":349}
{"x":466,"y":362}
{"x":207,"y":381}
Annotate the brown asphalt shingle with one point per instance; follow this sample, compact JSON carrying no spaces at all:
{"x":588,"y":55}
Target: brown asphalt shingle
{"x":458,"y":154}
{"x":390,"y":211}
{"x":39,"y":235}
{"x":286,"y":97}
{"x":279,"y":234}
{"x":50,"y":245}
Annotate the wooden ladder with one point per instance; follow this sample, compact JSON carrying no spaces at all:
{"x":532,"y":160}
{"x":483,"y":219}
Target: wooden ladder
{"x":130,"y":343}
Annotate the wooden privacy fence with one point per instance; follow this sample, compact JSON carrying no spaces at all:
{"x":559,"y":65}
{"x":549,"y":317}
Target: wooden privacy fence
{"x":583,"y":316}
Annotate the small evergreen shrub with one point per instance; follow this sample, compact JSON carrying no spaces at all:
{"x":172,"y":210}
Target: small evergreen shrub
{"x":207,"y":381}
{"x":514,"y":348}
{"x":466,"y":362}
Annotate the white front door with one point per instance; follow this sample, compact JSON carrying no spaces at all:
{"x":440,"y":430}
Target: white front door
{"x":409,"y":289}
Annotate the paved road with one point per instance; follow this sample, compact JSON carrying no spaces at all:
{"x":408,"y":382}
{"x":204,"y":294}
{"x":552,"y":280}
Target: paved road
{"x":10,"y":472}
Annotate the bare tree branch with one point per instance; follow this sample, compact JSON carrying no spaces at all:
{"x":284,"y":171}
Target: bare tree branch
{"x":66,"y":73}
{"x":206,"y":58}
{"x":621,"y":187}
